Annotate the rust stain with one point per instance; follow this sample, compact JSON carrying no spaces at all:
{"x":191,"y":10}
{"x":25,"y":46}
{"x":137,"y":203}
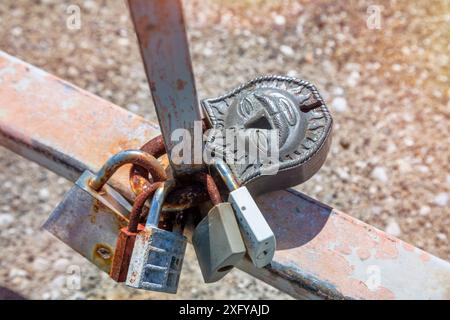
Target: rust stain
{"x":180,"y":84}
{"x":102,"y":256}
{"x":425,"y":257}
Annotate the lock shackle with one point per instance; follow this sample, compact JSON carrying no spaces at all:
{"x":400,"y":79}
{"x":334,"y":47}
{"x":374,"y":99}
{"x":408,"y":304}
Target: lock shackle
{"x":211,"y":187}
{"x":225,"y":173}
{"x":138,"y":206}
{"x":157,"y":203}
{"x":138,"y":157}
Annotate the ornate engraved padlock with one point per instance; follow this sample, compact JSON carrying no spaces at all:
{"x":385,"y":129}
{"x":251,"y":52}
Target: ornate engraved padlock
{"x":292,"y":110}
{"x":158,"y":254}
{"x":91,"y":214}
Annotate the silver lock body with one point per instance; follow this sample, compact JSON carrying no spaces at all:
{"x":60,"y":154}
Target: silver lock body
{"x":258,"y":236}
{"x":292,"y":107}
{"x":89,"y":221}
{"x":158,"y":254}
{"x":157,"y":260}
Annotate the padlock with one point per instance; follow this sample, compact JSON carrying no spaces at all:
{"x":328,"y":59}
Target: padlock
{"x":158,"y":254}
{"x":256,"y":232}
{"x":127,"y":236}
{"x":216,"y":239}
{"x":92,"y":213}
{"x":271,"y":111}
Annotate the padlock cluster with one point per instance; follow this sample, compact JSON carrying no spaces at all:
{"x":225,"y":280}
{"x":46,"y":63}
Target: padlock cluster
{"x":143,"y":251}
{"x":100,"y":224}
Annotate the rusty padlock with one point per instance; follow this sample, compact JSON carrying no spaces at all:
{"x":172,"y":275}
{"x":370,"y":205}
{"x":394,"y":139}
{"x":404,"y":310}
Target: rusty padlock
{"x":92,"y":213}
{"x":127,"y":236}
{"x":158,"y":254}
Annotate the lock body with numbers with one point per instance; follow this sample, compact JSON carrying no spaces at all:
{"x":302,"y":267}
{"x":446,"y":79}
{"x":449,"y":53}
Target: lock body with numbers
{"x":158,"y":254}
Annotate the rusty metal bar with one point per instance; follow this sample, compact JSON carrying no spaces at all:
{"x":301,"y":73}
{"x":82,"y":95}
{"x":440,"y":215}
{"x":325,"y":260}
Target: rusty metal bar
{"x":160,"y":29}
{"x":321,"y":252}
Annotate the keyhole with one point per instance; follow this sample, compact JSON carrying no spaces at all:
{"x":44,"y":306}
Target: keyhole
{"x":259,"y":123}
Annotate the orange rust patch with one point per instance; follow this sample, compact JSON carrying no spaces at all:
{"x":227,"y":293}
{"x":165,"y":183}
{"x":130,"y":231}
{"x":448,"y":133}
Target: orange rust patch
{"x":102,"y":256}
{"x":363,"y":253}
{"x":180,"y":84}
{"x":425,"y":257}
{"x":408,"y":247}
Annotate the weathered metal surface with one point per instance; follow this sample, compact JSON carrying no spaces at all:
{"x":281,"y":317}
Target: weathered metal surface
{"x":89,"y":221}
{"x":160,"y":29}
{"x":321,"y":252}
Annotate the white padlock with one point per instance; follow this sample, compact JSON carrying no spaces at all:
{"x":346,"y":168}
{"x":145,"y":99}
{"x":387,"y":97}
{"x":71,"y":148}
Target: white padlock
{"x":258,"y":237}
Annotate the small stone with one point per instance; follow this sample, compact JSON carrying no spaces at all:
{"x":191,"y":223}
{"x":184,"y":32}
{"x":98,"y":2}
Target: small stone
{"x":15,"y":272}
{"x":287,"y":51}
{"x":279,"y":20}
{"x":61,"y":265}
{"x":44,"y":194}
{"x":353,"y":79}
{"x":380,"y":174}
{"x":441,"y":236}
{"x":396,"y":67}
{"x":133,"y":107}
{"x":6,"y":219}
{"x":40,"y":264}
{"x":16,"y":32}
{"x":448,"y":179}
{"x":377,"y":210}
{"x":408,"y":142}
{"x":292,"y":73}
{"x":339,"y":104}
{"x":338,"y":91}
{"x":72,"y":71}
{"x":441,"y":199}
{"x":393,"y":228}
{"x":207,"y":52}
{"x":425,"y":210}
{"x":123,"y":42}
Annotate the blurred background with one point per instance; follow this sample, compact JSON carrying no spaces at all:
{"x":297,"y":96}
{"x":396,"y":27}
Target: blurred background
{"x":382,"y":67}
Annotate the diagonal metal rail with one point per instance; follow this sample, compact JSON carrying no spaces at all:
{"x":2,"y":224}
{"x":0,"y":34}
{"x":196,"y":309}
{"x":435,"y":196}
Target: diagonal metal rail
{"x":321,"y":252}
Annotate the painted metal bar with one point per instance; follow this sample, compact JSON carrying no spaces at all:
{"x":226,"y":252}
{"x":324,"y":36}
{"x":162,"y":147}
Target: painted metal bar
{"x":161,"y":32}
{"x":321,"y":252}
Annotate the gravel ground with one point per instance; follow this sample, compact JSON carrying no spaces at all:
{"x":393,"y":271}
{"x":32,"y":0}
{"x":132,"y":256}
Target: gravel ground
{"x":387,"y":89}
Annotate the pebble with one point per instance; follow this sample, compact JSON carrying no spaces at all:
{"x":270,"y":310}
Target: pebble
{"x":448,"y":179}
{"x":133,"y":107}
{"x":338,"y":91}
{"x":61,"y":265}
{"x":377,"y":210}
{"x":44,"y":194}
{"x":41,"y":264}
{"x":425,"y":210}
{"x":441,"y":199}
{"x":441,"y":236}
{"x":393,"y":228}
{"x":16,"y":272}
{"x":339,"y":104}
{"x":380,"y":174}
{"x":6,"y":219}
{"x":279,"y":20}
{"x":287,"y":51}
